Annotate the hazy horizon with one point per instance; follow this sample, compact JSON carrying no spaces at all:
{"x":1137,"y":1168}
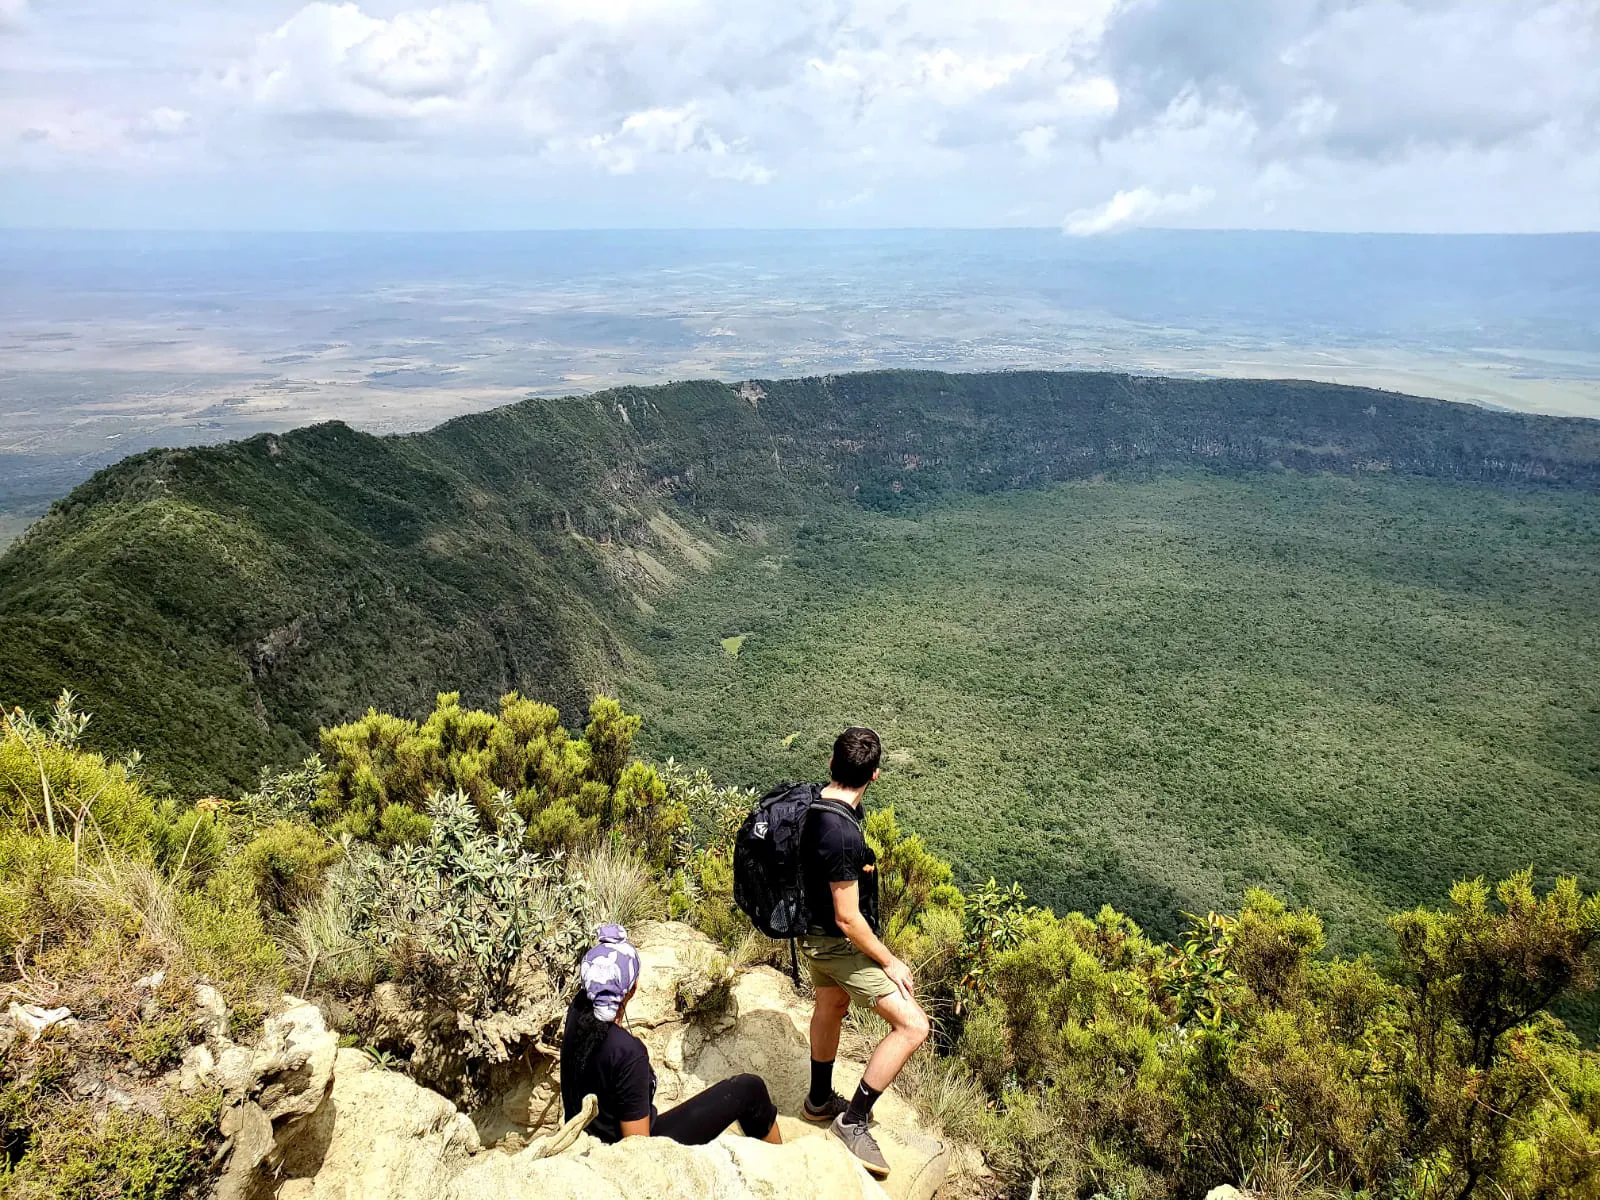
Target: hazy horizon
{"x":112,"y":341}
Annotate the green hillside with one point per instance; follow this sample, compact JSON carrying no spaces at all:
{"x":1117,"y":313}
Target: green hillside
{"x":217,"y":605}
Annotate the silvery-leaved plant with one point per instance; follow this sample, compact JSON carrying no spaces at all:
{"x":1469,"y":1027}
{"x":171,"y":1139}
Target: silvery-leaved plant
{"x":472,"y":911}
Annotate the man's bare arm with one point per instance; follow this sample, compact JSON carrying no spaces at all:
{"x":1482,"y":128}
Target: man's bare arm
{"x":847,"y":915}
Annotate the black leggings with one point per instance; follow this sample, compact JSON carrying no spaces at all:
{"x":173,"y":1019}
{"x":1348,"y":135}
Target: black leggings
{"x":699,"y":1119}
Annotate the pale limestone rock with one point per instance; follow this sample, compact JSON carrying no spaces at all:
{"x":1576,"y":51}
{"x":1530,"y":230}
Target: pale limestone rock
{"x":197,"y":1068}
{"x":532,"y":1104}
{"x":378,"y":1136}
{"x":731,"y":1168}
{"x":211,"y":1013}
{"x":251,"y":1133}
{"x":765,"y":1031}
{"x":234,"y":1069}
{"x":292,"y":1067}
{"x":1226,"y":1191}
{"x":33,"y":1021}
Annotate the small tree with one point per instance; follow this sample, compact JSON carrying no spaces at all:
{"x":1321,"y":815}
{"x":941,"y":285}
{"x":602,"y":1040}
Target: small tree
{"x":610,"y":735}
{"x":1475,"y":981}
{"x":382,"y":769}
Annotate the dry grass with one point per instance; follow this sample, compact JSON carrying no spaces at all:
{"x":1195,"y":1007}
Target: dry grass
{"x":944,"y":1092}
{"x":320,"y":946}
{"x":621,"y":888}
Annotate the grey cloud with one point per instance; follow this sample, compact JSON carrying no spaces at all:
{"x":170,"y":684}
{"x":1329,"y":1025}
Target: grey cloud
{"x":1361,"y":78}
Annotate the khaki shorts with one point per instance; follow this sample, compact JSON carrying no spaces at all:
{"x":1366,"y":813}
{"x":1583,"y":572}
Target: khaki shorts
{"x":835,"y":962}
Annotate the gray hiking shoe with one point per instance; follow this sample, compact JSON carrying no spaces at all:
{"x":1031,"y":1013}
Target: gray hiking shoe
{"x":830,"y":1108}
{"x":859,"y":1141}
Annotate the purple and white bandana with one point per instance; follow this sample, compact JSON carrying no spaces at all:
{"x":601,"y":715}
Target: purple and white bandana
{"x":609,"y":971}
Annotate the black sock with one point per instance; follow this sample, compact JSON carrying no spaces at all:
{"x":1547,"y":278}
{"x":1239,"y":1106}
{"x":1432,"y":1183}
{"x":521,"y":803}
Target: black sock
{"x":821,"y":1082}
{"x":860,"y":1110}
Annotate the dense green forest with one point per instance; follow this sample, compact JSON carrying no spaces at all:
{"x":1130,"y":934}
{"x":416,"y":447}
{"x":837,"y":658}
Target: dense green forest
{"x":1335,"y":640}
{"x":1156,"y":694}
{"x":217,"y":605}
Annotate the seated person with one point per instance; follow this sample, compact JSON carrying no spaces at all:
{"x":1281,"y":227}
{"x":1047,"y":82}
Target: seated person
{"x":600,"y":1057}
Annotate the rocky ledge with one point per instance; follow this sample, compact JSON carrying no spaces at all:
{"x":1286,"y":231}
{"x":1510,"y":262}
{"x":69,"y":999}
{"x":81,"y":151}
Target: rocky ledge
{"x":309,"y":1121}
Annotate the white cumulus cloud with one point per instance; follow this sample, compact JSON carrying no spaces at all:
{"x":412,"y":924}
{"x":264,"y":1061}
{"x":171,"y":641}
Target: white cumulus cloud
{"x":1433,"y":114}
{"x":1136,"y":206}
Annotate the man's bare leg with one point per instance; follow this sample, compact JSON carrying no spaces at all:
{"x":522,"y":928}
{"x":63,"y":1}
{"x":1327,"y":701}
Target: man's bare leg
{"x":908,"y":1030}
{"x":827,"y":1016}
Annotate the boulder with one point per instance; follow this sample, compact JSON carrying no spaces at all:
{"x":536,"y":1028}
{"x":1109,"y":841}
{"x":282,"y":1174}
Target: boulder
{"x":765,"y":1029}
{"x":379,"y":1136}
{"x":287,"y":1072}
{"x":210,"y":1013}
{"x":731,"y":1168}
{"x":250,"y":1142}
{"x":292,"y":1067}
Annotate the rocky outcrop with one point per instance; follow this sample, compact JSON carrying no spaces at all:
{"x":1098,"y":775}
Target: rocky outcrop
{"x":377,"y":1135}
{"x":732,"y":1168}
{"x":762,"y":1027}
{"x":310,"y":1122}
{"x":268,"y":1088}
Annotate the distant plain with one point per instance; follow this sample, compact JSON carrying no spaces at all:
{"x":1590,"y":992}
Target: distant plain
{"x":111,"y":343}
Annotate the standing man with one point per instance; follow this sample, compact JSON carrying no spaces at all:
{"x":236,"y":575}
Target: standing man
{"x":849,"y":963}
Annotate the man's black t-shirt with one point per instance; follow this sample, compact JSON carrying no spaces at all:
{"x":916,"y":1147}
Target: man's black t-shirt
{"x":618,"y":1073}
{"x":833,"y":849}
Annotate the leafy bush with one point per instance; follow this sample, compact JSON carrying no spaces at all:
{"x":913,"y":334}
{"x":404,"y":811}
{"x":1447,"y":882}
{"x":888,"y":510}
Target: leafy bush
{"x":280,"y":796}
{"x":37,"y":902}
{"x":1243,"y":1055}
{"x":52,"y":787}
{"x":285,"y":866}
{"x":470,"y":915}
{"x":72,"y":1154}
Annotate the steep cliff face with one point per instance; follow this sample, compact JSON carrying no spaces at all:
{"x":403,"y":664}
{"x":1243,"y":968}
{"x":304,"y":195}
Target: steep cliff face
{"x":222,"y":603}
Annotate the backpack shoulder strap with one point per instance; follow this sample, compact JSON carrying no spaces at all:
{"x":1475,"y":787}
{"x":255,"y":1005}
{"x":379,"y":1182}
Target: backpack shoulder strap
{"x":783,"y":791}
{"x":837,"y":807}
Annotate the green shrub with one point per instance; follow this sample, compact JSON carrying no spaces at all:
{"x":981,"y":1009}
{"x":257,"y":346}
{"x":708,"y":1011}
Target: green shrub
{"x":285,"y":866}
{"x":223,"y":935}
{"x":49,"y":785}
{"x":382,"y":770}
{"x":71,"y":1154}
{"x":37,"y":901}
{"x":1242,"y":1055}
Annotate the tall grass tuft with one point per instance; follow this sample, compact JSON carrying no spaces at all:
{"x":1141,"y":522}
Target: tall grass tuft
{"x":621,"y":888}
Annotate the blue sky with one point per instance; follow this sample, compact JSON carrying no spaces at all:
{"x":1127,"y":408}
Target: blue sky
{"x":1090,"y":115}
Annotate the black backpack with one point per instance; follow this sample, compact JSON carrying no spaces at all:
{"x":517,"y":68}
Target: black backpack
{"x":767,"y":880}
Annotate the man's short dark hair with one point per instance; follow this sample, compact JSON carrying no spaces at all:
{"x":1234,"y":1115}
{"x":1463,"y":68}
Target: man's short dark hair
{"x":856,"y":752}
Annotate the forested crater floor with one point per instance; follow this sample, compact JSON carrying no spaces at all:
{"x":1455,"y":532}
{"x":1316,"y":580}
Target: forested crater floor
{"x":1157,"y":693}
{"x":1130,"y":640}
